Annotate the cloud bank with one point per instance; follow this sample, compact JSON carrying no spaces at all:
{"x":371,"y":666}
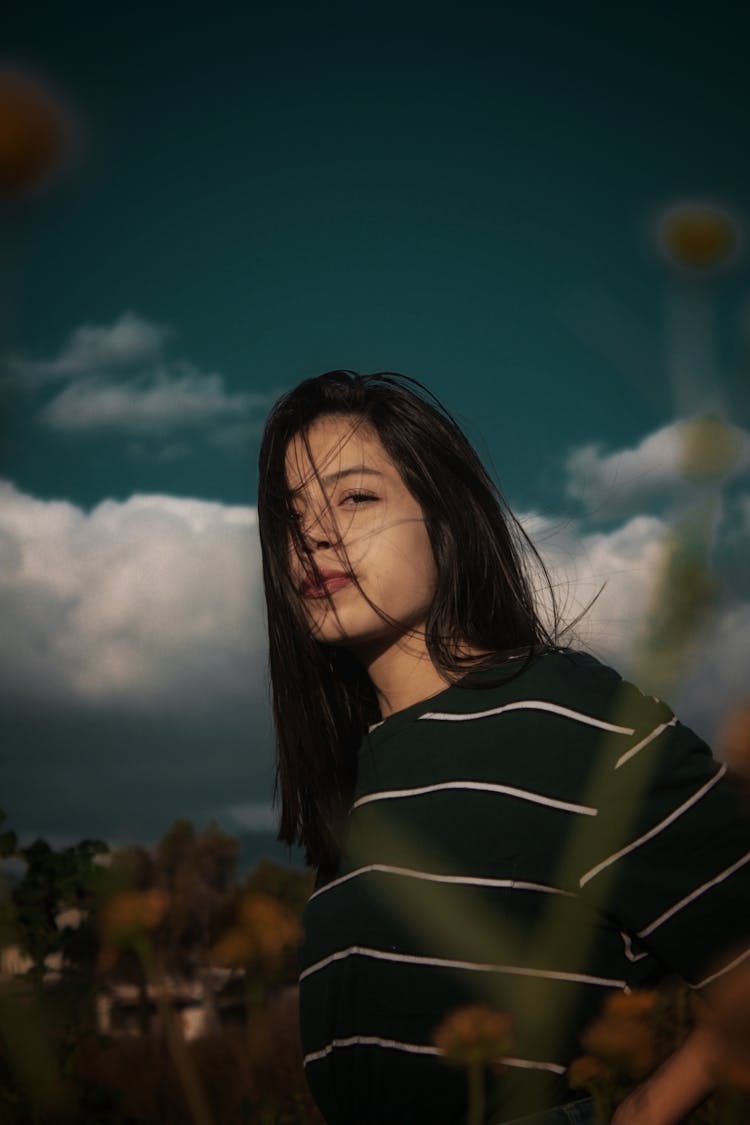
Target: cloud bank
{"x":92,"y":349}
{"x":153,"y":601}
{"x":156,"y":602}
{"x":623,"y":568}
{"x":662,"y":467}
{"x":150,"y":404}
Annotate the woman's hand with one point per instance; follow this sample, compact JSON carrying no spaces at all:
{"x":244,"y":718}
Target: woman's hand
{"x":681,"y":1083}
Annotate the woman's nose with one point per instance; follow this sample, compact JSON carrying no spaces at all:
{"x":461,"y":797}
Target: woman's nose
{"x":320,"y":532}
{"x":315,"y":543}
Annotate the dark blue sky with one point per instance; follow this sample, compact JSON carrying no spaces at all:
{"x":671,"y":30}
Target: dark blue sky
{"x":467,"y":193}
{"x":439,"y":189}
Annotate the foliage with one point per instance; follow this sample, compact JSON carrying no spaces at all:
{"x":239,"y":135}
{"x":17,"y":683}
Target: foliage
{"x":89,"y":920}
{"x":190,"y":874}
{"x":53,"y":882}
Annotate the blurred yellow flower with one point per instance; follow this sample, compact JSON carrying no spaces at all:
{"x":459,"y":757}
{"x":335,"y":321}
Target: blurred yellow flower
{"x":34,"y":132}
{"x":698,"y":236}
{"x":133,"y":910}
{"x":264,"y":931}
{"x":474,"y":1034}
{"x":125,"y":918}
{"x":710,"y":448}
{"x":631,"y":1005}
{"x":623,"y":1035}
{"x":585,"y":1071}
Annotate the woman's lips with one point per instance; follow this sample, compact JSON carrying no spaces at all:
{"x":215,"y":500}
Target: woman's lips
{"x":327,"y":587}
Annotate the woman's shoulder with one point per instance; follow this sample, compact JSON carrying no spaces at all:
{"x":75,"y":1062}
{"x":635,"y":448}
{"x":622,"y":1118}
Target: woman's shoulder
{"x":577,"y":670}
{"x":554,"y":667}
{"x":573,"y":680}
{"x":589,"y":681}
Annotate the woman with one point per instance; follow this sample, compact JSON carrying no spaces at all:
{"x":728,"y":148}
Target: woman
{"x":492,"y":816}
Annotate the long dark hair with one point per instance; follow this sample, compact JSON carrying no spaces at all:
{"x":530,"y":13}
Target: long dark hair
{"x":323,"y":700}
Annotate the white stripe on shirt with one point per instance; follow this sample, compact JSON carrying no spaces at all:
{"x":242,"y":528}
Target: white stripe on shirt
{"x":655,"y":830}
{"x":527,"y":705}
{"x":644,"y":742}
{"x":694,"y":895}
{"x":631,"y":956}
{"x":720,"y":973}
{"x":532,"y":1064}
{"x":417,"y":1049}
{"x":467,"y":880}
{"x":369,"y":1041}
{"x":443,"y":963}
{"x":481,"y":786}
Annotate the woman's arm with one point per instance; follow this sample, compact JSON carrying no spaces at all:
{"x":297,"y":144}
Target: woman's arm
{"x":682,"y":1082}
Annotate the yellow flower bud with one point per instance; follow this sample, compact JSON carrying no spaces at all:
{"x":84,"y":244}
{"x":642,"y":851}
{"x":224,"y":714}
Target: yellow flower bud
{"x":474,"y":1033}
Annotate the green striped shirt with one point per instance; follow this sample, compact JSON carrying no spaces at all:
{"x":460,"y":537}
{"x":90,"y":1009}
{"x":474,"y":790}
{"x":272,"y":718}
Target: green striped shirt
{"x":532,"y":846}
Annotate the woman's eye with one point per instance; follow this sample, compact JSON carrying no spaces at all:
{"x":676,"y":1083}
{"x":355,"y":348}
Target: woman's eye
{"x":358,"y":497}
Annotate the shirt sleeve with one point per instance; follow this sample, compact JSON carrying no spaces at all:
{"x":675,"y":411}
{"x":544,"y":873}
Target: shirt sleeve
{"x":667,"y":857}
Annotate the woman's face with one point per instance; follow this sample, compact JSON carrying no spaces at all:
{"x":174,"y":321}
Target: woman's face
{"x":357,"y":517}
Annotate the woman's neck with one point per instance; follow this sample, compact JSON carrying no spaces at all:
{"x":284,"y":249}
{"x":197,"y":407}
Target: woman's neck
{"x":401,"y":683}
{"x":404,"y":674}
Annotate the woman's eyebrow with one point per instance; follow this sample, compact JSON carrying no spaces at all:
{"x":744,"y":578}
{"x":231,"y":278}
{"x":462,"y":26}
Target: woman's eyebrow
{"x":331,"y":478}
{"x":365,"y":470}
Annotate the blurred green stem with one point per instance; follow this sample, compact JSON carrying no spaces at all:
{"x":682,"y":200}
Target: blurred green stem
{"x":172,"y":1030}
{"x":475,"y":1072}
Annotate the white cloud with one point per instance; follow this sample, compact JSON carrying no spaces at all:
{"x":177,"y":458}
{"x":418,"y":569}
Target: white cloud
{"x":156,"y":601}
{"x":657,"y":469}
{"x":716,"y":682}
{"x":150,"y":600}
{"x":116,"y":378}
{"x":143,"y":405}
{"x":93,"y":349}
{"x":627,"y":564}
{"x":251,"y":816}
{"x":162,"y":453}
{"x":617,"y":568}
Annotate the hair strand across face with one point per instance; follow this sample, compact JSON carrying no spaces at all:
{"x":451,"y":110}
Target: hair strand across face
{"x":323,"y":700}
